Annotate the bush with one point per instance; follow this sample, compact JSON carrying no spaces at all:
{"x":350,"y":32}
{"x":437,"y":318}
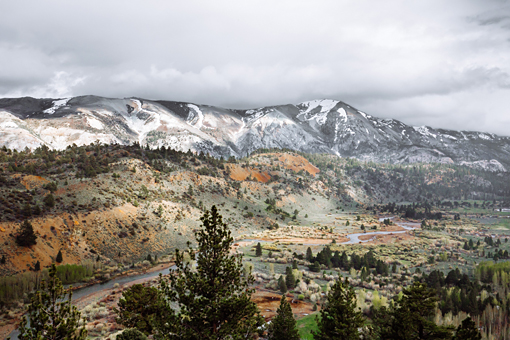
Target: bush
{"x":131,"y":334}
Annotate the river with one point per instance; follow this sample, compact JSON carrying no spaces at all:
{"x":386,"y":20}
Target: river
{"x":85,"y":291}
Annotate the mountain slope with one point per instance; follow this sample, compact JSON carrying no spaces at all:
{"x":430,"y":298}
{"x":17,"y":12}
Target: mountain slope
{"x":318,"y":126}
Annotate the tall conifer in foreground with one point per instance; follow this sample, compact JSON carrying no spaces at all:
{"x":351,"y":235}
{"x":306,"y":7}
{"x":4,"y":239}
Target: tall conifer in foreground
{"x":213,"y":299}
{"x":283,"y":325}
{"x":51,"y":314}
{"x":339,"y":319}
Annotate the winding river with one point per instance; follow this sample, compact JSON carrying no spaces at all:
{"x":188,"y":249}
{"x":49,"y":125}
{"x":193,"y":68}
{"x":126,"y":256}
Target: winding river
{"x":86,"y":291}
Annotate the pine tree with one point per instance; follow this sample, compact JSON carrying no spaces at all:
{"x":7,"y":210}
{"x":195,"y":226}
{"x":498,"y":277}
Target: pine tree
{"x":37,"y":266}
{"x":283,"y":325}
{"x":51,"y":313}
{"x":3,"y":260}
{"x":290,"y":280}
{"x":467,"y":331}
{"x":59,"y":258}
{"x":282,"y":286}
{"x":26,"y":236}
{"x":26,"y":210}
{"x":49,"y":200}
{"x":258,"y":250}
{"x":339,"y":319}
{"x":309,"y":254}
{"x":213,"y":298}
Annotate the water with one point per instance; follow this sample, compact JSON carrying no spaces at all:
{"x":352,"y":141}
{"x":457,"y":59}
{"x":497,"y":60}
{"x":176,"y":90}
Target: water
{"x":83,"y":292}
{"x":354,"y":238}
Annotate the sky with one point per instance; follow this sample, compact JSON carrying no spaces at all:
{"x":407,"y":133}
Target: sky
{"x":437,"y":63}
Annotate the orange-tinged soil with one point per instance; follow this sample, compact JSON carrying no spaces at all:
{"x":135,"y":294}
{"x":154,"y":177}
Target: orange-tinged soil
{"x":297,"y":163}
{"x":31,"y":182}
{"x":239,"y":173}
{"x":61,"y":232}
{"x":268,"y":302}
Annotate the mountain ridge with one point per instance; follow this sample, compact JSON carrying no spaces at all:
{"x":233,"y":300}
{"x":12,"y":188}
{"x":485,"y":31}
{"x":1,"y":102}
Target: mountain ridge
{"x":316,"y":126}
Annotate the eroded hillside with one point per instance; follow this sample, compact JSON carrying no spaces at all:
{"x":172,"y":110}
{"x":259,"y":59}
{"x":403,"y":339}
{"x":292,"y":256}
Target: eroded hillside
{"x":120,"y":203}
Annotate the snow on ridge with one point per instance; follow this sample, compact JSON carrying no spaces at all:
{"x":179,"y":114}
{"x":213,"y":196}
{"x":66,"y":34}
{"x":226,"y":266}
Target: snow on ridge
{"x":484,"y":136}
{"x":57,"y":104}
{"x":325,"y":104}
{"x":365,"y":115}
{"x":424,"y":130}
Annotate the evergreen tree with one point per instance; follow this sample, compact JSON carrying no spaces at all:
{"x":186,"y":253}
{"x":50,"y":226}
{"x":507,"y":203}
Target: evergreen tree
{"x":37,"y":266}
{"x":467,"y":331}
{"x":131,"y":334}
{"x":26,"y":236}
{"x":339,"y":319}
{"x":315,"y":267}
{"x":59,"y":258}
{"x":51,"y":313}
{"x":3,"y":260}
{"x":290,"y":280}
{"x":26,"y":210}
{"x":49,"y":200}
{"x":213,"y":298}
{"x":258,"y":250}
{"x":309,"y":254}
{"x":140,"y":307}
{"x":283,"y":325}
{"x":282,"y":286}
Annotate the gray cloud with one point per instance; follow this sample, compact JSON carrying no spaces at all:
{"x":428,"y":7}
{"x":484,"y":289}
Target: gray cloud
{"x":440,"y":63}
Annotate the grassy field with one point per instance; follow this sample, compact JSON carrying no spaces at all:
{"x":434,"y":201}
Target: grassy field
{"x":306,"y":325}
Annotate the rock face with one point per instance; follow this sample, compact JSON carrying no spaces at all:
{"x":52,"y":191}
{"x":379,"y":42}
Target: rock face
{"x":325,"y":126}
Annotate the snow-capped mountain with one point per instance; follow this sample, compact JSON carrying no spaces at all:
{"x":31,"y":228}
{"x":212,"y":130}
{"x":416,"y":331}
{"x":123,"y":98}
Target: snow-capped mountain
{"x":326,"y":126}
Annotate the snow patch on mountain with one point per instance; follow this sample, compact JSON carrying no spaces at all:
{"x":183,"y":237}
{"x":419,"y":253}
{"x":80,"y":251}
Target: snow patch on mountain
{"x":484,"y":136}
{"x":487,"y":165}
{"x":196,"y":117}
{"x":57,"y":104}
{"x":343,"y":114}
{"x":424,"y":130}
{"x":94,"y":123}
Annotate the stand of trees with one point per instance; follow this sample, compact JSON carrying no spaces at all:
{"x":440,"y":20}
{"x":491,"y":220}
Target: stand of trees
{"x":334,"y":260}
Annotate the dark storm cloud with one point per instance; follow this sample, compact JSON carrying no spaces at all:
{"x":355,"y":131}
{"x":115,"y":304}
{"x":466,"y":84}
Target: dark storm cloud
{"x":440,"y":63}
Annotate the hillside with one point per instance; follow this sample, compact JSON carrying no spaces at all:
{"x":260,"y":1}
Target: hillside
{"x":318,"y":126}
{"x":123,"y":202}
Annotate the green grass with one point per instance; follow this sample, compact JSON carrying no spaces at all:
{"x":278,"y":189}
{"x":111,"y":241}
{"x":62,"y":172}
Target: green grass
{"x":505,"y":223}
{"x":306,"y":325}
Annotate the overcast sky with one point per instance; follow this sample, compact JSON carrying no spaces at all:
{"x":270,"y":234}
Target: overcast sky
{"x":441,"y":63}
